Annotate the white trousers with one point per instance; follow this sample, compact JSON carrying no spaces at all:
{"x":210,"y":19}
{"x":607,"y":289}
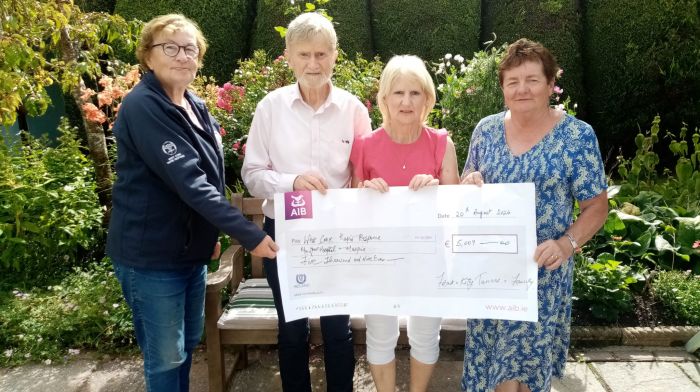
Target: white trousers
{"x":383,"y":333}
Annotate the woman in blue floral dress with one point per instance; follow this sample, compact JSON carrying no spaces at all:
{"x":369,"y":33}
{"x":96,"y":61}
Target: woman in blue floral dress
{"x":532,"y":142}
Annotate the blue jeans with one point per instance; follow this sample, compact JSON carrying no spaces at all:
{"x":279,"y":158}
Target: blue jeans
{"x":168,"y":312}
{"x":293,"y":341}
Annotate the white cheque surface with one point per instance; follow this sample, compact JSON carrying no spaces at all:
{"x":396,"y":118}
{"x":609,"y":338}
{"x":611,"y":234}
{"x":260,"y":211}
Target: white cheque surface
{"x":446,"y":251}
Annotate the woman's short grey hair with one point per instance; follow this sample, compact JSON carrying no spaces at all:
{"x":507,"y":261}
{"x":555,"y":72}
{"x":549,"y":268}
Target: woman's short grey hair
{"x":308,"y":26}
{"x":405,"y":65}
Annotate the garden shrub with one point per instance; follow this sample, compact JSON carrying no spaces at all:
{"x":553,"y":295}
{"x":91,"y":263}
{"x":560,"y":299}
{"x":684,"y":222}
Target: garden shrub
{"x":428,"y":30}
{"x":602,"y":286}
{"x":350,"y":18}
{"x":554,"y":23}
{"x":86,"y":310}
{"x":225,"y":24}
{"x":96,"y":5}
{"x":269,"y":14}
{"x":679,"y":292}
{"x":50,"y":216}
{"x":642,"y":58}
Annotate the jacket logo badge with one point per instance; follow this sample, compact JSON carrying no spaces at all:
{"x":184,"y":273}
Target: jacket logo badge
{"x":297,"y":205}
{"x":169,"y":148}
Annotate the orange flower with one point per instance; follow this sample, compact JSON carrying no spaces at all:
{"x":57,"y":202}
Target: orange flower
{"x":93,"y":113}
{"x":105,"y":80}
{"x":86,"y":94}
{"x":104,"y":98}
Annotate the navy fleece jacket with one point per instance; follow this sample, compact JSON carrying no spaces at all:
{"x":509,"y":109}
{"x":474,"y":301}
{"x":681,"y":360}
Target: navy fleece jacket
{"x":168,"y":200}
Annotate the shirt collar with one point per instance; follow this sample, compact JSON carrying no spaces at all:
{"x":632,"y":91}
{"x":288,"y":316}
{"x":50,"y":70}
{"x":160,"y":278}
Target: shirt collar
{"x":295,"y":95}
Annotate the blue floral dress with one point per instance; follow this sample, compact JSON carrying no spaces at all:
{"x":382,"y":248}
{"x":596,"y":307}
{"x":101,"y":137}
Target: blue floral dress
{"x":565,"y":165}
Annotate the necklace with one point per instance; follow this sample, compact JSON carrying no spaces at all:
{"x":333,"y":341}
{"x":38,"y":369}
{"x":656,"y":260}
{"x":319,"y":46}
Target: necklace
{"x":403,"y":149}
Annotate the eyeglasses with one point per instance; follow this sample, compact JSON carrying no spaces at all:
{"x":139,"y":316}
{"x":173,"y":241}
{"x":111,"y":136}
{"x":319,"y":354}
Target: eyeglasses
{"x":172,"y":50}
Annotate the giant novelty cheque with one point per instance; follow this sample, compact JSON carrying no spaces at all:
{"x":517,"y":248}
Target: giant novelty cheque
{"x":444,"y":251}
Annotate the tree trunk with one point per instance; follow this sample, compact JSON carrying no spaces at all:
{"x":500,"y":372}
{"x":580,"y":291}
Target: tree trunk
{"x":96,"y":142}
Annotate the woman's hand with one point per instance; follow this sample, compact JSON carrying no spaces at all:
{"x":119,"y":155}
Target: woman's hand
{"x":551,"y":253}
{"x":266,"y":248}
{"x":473,"y":178}
{"x":378,"y":184}
{"x":422,"y":180}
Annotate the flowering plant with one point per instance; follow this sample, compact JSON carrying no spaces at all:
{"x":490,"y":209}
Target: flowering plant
{"x":109,"y":97}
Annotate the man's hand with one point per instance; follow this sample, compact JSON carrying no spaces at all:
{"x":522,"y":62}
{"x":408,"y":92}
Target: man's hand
{"x":310,"y":181}
{"x":266,"y":248}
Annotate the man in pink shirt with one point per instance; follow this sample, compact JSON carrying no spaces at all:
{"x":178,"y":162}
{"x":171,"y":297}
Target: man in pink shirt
{"x":300,"y":139}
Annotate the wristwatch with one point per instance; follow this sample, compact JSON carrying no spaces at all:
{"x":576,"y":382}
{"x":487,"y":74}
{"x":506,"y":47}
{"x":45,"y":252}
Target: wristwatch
{"x":574,"y":244}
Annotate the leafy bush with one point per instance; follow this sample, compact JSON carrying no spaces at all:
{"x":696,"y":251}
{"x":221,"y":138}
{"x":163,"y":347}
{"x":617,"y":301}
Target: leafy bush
{"x":234,"y":103}
{"x":642,"y":58}
{"x":225,"y":24}
{"x":554,"y":23}
{"x":85,"y":311}
{"x":428,"y":31}
{"x":50,"y":216}
{"x":679,"y":292}
{"x":602,"y":286}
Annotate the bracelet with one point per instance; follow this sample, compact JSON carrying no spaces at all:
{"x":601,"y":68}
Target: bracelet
{"x":573,"y":242}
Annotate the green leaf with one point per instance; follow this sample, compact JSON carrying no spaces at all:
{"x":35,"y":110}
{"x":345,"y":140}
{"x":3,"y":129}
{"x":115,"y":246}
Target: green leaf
{"x":688,"y":232}
{"x":310,"y":7}
{"x":613,"y":224}
{"x":662,"y":245}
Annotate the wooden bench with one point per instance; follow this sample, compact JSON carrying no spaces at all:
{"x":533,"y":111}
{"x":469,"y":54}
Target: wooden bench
{"x":250,"y":317}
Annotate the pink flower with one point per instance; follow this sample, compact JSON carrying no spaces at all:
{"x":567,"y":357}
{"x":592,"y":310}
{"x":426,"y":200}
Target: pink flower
{"x":696,"y":244}
{"x":558,"y":90}
{"x":236,"y":146}
{"x":222,"y":131}
{"x":243,"y":149}
{"x":470,"y":90}
{"x":228,"y":86}
{"x":225,"y":104}
{"x":368,"y":105}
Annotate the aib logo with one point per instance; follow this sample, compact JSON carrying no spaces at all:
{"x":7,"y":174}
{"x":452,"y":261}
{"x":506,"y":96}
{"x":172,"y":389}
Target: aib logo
{"x":297,"y":205}
{"x":301,"y":278}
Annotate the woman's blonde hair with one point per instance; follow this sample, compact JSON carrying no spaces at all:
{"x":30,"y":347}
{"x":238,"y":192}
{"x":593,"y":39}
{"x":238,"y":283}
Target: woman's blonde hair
{"x":310,"y":25}
{"x":405,"y":65}
{"x":170,"y":23}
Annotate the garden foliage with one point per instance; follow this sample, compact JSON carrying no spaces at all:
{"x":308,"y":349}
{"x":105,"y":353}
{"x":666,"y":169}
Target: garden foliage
{"x":642,"y":58}
{"x":226,"y":24}
{"x":50,"y":217}
{"x":679,"y":292}
{"x":554,"y":23}
{"x":85,"y":310}
{"x":96,"y":5}
{"x":413,"y":27}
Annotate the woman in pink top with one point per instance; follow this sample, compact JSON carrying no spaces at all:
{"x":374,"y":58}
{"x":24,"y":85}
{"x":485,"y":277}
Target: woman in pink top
{"x":403,"y":152}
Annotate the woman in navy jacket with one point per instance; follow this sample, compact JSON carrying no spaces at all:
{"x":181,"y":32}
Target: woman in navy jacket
{"x":169,"y":203}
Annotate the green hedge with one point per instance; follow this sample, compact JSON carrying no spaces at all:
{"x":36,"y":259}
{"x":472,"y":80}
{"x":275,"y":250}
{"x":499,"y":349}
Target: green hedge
{"x":96,"y":5}
{"x":642,"y":58}
{"x":554,"y":23}
{"x":225,"y":24}
{"x":350,"y":17}
{"x":270,"y":13}
{"x":429,"y":31}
